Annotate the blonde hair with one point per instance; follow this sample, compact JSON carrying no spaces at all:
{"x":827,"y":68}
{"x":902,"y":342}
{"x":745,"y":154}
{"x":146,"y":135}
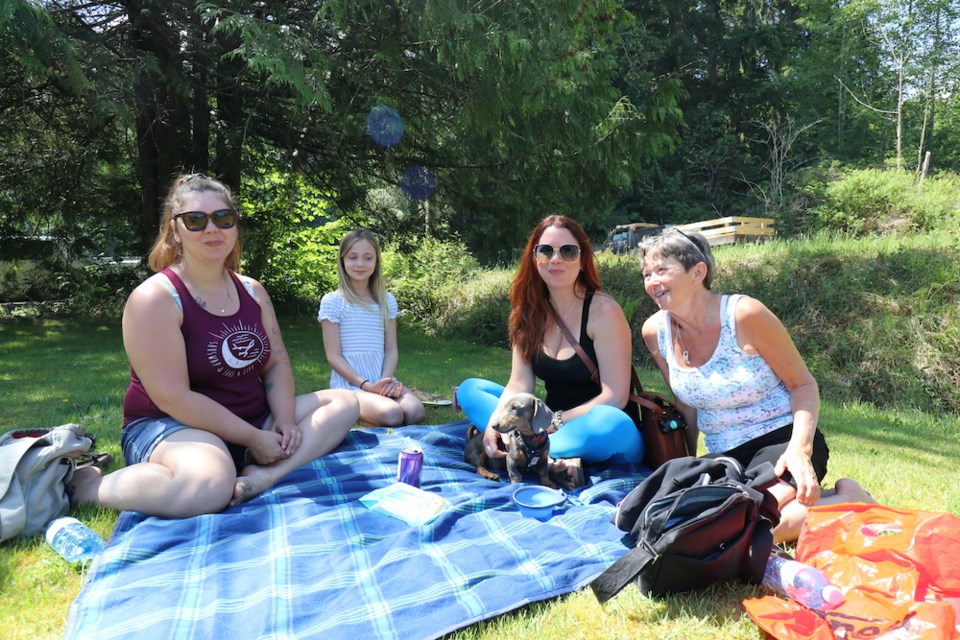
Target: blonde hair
{"x":377,"y":288}
{"x":165,"y":250}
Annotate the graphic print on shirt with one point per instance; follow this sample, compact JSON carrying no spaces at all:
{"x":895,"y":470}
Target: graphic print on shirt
{"x":233,"y":351}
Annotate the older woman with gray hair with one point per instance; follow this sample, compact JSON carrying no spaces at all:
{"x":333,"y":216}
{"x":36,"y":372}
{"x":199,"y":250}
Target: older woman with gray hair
{"x":737,"y":377}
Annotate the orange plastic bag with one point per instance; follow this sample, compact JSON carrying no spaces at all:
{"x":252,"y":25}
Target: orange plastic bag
{"x":899,"y":572}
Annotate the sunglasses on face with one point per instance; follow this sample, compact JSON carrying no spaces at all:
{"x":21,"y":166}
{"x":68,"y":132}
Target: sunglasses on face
{"x":568,"y":252}
{"x":197,"y":220}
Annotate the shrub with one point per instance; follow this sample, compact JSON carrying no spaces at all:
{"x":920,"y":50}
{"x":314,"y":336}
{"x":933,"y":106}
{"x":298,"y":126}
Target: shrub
{"x":479,"y":309}
{"x":874,"y":200}
{"x":287,"y":244}
{"x":426,"y":279}
{"x":101,"y":290}
{"x":875,"y":319}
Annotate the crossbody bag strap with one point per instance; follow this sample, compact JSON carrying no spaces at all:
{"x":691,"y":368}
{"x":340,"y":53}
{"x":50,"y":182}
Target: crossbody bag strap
{"x":636,"y":389}
{"x":591,"y":365}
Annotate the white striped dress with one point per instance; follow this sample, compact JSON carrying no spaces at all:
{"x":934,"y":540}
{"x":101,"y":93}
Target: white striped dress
{"x":361,"y":335}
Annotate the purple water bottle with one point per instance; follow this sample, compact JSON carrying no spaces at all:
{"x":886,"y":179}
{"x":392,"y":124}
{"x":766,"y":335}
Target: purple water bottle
{"x":801,"y":583}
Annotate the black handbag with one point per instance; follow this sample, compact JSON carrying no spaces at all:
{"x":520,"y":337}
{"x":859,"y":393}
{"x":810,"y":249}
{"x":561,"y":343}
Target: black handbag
{"x":696,"y":521}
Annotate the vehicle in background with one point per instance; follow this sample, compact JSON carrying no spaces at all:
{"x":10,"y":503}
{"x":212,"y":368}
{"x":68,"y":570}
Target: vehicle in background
{"x":624,"y":238}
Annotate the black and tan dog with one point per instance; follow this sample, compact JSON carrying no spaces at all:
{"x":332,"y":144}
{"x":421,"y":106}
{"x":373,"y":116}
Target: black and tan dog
{"x":526,"y":418}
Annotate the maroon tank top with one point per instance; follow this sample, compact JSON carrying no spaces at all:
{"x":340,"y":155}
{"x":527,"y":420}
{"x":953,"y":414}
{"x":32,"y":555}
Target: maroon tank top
{"x":225,"y":356}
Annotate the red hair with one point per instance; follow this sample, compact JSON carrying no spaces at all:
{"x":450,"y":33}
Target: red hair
{"x":529,"y":299}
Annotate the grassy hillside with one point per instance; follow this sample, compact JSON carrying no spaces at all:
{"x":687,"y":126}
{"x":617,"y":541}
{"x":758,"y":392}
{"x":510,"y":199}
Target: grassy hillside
{"x":877,"y":319}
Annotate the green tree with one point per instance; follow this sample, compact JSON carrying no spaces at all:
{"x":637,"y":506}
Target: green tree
{"x":64,"y":169}
{"x":514,"y":109}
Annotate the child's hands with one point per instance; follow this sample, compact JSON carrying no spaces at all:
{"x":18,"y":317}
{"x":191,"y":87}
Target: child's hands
{"x":389,"y":387}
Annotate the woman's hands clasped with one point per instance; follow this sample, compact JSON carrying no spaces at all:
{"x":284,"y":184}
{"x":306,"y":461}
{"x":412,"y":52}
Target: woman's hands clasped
{"x":279,"y":441}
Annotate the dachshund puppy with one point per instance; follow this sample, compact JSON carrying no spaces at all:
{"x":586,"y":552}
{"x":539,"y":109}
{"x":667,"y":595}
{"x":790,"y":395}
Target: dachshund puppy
{"x":526,"y":418}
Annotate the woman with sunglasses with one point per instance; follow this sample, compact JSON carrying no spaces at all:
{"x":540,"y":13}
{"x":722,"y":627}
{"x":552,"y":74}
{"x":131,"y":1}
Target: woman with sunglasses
{"x":557,"y":281}
{"x":737,"y":377}
{"x":210,"y":417}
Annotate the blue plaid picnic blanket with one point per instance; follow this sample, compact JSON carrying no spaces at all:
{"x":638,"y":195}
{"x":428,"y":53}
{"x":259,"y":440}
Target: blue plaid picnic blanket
{"x":307,"y":559}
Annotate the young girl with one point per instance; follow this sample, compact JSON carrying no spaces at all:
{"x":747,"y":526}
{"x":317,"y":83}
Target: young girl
{"x":360,"y":336}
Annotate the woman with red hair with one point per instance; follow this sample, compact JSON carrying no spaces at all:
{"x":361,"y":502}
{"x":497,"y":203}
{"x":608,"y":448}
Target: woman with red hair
{"x":558,"y":281}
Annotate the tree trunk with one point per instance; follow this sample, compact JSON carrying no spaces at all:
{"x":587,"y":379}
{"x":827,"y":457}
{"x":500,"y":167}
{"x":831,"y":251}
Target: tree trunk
{"x":230,"y":135}
{"x":161,"y":114}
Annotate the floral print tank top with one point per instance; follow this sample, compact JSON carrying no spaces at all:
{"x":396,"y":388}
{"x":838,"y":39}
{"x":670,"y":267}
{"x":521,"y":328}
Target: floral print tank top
{"x":737,"y":395}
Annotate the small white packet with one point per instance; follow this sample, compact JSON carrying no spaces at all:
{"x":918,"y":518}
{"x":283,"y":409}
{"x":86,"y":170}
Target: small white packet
{"x":413,"y":505}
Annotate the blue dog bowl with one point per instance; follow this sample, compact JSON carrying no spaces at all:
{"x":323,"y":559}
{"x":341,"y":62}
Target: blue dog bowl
{"x":538,"y":502}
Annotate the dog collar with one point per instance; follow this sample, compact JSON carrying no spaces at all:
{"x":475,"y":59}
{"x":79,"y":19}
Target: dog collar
{"x":531,"y":446}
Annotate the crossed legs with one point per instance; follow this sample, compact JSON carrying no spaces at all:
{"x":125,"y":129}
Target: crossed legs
{"x":325,"y":417}
{"x":191,"y":472}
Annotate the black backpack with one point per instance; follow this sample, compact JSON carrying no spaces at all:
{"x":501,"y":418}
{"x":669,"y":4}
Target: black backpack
{"x":696,"y":521}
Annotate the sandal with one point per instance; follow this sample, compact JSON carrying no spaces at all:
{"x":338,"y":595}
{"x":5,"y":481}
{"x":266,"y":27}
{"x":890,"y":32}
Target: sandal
{"x":94,"y":459}
{"x":430,"y":399}
{"x":570,"y":475}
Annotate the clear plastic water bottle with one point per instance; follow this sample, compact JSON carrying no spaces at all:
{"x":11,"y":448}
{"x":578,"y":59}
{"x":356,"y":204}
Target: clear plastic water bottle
{"x":76,"y":543}
{"x":801,"y":583}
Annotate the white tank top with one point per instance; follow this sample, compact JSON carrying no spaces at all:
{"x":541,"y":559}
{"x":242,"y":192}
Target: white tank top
{"x":737,"y":395}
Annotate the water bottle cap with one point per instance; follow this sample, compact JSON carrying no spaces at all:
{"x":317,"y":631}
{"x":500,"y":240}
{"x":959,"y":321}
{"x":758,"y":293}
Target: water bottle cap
{"x":59,"y":523}
{"x":832,"y":597}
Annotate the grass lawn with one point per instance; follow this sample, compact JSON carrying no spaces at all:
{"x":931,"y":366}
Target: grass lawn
{"x":53,"y":372}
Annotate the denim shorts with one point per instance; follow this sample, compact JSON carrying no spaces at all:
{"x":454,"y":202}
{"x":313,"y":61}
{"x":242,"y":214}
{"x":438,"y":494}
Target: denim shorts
{"x":140,"y":437}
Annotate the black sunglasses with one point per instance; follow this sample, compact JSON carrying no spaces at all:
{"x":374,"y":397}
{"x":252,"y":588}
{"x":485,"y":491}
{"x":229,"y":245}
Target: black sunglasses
{"x":568,"y":252}
{"x":197,"y":220}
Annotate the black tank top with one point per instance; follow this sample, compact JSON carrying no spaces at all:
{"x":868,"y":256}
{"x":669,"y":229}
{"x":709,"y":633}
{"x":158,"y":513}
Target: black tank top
{"x":567,"y":382}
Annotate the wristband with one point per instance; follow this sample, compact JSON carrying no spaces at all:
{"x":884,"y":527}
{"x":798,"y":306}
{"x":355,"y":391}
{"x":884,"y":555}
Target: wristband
{"x":363,"y":382}
{"x":557,"y":421}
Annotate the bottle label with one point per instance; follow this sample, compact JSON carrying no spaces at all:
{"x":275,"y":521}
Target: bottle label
{"x":788,"y":573}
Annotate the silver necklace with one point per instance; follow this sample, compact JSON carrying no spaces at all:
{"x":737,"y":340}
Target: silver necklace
{"x":684,"y":352}
{"x":564,"y":316}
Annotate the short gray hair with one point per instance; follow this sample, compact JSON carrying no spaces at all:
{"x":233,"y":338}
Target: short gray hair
{"x":688,"y":248}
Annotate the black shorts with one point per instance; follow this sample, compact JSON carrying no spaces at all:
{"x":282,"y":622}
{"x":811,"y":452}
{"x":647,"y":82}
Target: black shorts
{"x":770,"y":446}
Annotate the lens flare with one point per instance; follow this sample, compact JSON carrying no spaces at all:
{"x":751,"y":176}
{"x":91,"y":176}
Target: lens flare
{"x":385,"y":125}
{"x":417,"y":182}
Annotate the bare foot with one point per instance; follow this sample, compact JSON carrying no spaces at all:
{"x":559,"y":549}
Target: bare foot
{"x":850,"y":491}
{"x":253,"y":481}
{"x":567,"y":472}
{"x":84,"y":485}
